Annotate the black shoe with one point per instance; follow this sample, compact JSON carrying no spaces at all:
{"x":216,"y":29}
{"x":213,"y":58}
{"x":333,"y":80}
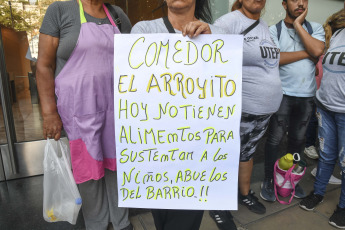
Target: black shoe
{"x":311,"y":201}
{"x":267,"y":190}
{"x":252,"y":203}
{"x":223,"y":219}
{"x":338,"y":218}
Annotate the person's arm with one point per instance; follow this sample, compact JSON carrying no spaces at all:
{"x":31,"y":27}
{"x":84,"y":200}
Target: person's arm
{"x":313,"y":46}
{"x":290,"y":57}
{"x":47,"y":48}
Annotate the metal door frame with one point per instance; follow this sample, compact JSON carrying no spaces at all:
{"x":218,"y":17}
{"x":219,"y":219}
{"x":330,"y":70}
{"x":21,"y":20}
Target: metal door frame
{"x":7,"y":109}
{"x":22,"y":159}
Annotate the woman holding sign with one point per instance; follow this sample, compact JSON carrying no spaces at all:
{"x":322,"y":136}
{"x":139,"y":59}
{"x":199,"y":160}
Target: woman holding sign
{"x":183,"y":17}
{"x":75,"y":63}
{"x":261,"y":95}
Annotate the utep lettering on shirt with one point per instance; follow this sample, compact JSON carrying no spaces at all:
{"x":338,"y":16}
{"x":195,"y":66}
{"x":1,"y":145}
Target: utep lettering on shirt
{"x":269,"y":53}
{"x":334,"y":59}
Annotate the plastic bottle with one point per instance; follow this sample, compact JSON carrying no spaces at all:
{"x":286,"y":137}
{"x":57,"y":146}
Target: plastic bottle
{"x":286,"y":162}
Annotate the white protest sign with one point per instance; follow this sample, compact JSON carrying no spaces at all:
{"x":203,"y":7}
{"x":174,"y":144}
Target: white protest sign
{"x":177,"y":118}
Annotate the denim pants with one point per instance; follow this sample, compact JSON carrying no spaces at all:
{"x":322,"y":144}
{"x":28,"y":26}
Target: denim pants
{"x":332,"y":144}
{"x":293,"y":117}
{"x":311,"y":134}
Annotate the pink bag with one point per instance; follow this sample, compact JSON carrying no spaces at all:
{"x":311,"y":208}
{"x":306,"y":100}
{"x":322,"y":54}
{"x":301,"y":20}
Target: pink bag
{"x":285,"y":182}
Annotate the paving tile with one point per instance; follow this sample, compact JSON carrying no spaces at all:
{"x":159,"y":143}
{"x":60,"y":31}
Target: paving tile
{"x":145,"y":220}
{"x":329,"y":203}
{"x":136,"y":223}
{"x":208,"y":223}
{"x":244,"y":216}
{"x":293,"y":218}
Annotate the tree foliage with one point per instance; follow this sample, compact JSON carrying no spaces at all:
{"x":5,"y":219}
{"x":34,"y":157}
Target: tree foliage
{"x":19,"y":21}
{"x":23,"y":20}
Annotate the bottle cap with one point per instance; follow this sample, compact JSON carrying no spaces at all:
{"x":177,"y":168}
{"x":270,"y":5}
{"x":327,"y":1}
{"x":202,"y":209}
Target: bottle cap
{"x":289,"y":157}
{"x":78,"y":201}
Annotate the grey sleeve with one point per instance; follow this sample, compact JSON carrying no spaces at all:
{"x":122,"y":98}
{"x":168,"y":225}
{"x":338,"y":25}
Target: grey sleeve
{"x":139,"y":28}
{"x":51,"y":21}
{"x":217,"y":30}
{"x":274,"y":35}
{"x":126,"y":25}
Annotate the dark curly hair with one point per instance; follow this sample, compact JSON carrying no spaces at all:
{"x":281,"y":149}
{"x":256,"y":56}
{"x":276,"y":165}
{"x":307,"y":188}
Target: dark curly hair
{"x":202,"y":10}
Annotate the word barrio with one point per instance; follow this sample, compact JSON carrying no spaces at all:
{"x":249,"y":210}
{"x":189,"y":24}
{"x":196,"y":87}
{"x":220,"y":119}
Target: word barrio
{"x":177,"y":118}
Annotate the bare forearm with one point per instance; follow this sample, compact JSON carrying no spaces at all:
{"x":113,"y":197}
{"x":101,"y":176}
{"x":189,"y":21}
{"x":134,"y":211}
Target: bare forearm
{"x":313,"y":46}
{"x":46,"y":89}
{"x":290,"y":57}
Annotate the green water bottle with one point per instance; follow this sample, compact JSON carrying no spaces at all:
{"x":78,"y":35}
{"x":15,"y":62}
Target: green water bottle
{"x":286,"y":161}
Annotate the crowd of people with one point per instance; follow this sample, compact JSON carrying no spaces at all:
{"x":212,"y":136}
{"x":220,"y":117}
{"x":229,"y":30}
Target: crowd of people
{"x":75,"y":83}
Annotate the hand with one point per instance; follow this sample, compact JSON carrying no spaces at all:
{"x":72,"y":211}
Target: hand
{"x":193,"y":29}
{"x":52,"y":126}
{"x":300,"y":19}
{"x":315,"y":60}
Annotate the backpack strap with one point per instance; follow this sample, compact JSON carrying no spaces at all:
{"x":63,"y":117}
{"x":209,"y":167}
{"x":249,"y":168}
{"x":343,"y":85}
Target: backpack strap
{"x":337,"y":32}
{"x":279,"y":28}
{"x":114,"y":14}
{"x":309,"y":28}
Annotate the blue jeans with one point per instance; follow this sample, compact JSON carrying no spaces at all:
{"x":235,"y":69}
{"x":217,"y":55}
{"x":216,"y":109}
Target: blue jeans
{"x":293,"y":117}
{"x":332,"y":144}
{"x":311,"y":134}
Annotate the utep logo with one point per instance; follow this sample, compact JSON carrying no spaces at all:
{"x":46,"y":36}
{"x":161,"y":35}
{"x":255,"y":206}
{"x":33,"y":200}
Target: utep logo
{"x":250,"y":39}
{"x":269,"y":53}
{"x":334,"y":60}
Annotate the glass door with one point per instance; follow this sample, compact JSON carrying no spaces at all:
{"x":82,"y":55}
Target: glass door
{"x":21,"y":136}
{"x":21,"y":144}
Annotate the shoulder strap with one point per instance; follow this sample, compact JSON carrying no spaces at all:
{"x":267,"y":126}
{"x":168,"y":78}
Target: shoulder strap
{"x":252,"y":26}
{"x":337,"y":32}
{"x":168,"y":25}
{"x":279,"y":29}
{"x":114,"y":14}
{"x":309,"y":28}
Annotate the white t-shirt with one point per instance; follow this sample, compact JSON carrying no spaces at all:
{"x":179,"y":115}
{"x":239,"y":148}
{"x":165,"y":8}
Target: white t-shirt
{"x":158,"y":26}
{"x":261,"y":89}
{"x":332,"y":90}
{"x":298,"y":78}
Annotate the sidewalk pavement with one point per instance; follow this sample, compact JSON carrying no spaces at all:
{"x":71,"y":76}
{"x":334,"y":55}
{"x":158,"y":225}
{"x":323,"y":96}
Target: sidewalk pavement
{"x":21,"y":206}
{"x":278,"y":216}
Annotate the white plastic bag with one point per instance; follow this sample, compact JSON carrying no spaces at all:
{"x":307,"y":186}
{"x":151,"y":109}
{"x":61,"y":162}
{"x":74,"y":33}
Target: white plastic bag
{"x":61,"y":198}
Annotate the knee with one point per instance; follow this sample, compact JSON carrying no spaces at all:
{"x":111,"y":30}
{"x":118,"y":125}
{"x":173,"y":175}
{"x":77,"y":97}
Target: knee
{"x":274,"y":138}
{"x":328,"y":158}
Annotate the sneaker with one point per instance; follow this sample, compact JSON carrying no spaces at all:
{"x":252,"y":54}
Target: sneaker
{"x":223,"y":219}
{"x":252,"y":203}
{"x":338,"y":218}
{"x":267,"y":190}
{"x":129,"y":227}
{"x":311,"y":152}
{"x":299,"y":192}
{"x":332,"y":180}
{"x":311,"y":201}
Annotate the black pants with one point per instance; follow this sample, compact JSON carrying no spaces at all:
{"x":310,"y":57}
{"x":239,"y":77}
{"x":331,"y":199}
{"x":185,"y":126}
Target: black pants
{"x":293,"y":117}
{"x":166,"y":219}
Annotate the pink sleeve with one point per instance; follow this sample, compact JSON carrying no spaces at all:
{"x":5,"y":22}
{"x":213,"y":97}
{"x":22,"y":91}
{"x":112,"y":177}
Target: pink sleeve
{"x":319,"y":76}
